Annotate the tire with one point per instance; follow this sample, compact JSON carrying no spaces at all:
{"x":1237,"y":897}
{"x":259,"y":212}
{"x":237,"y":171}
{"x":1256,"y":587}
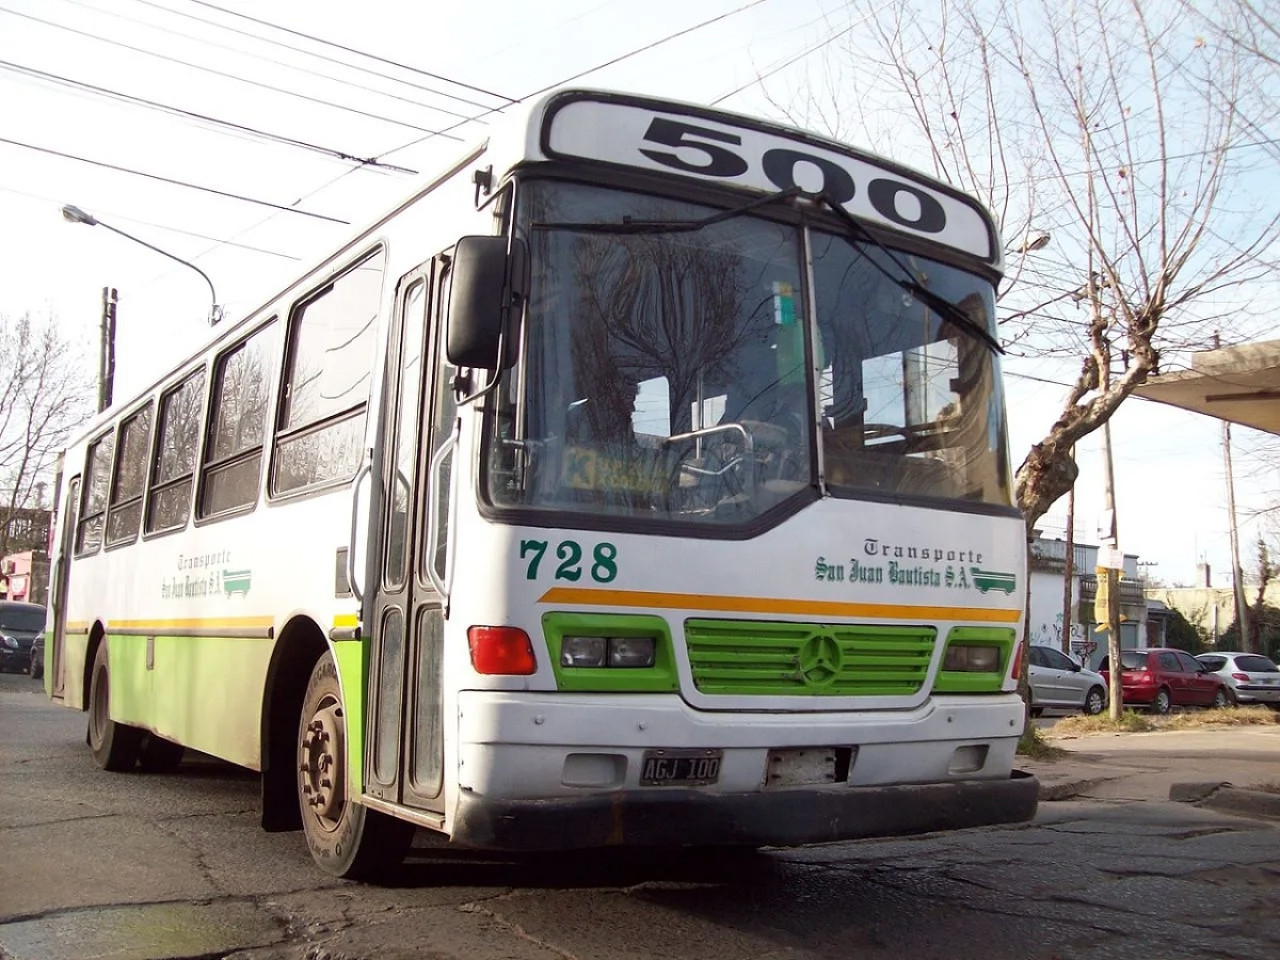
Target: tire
{"x":346,"y":838}
{"x":114,"y":745}
{"x":1163,"y":702}
{"x":35,"y":670}
{"x":1095,"y":701}
{"x":1222,"y":699}
{"x":158,"y":755}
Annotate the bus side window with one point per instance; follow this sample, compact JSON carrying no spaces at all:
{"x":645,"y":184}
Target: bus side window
{"x":97,"y":479}
{"x":174,"y":466}
{"x":329,"y":367}
{"x":237,"y":425}
{"x":125,"y":513}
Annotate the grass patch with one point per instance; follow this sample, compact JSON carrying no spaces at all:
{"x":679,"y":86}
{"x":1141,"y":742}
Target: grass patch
{"x":1192,"y":718}
{"x":1034,"y":745}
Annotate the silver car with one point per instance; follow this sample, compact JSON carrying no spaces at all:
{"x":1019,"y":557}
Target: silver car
{"x":1252,"y":677}
{"x":1059,"y":683}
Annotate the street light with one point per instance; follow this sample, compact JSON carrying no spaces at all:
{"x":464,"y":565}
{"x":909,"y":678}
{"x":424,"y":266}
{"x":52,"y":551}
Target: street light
{"x":76,"y":215}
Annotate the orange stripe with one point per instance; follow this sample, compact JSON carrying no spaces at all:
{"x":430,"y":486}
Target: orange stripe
{"x":192,"y":623}
{"x":590,"y":597}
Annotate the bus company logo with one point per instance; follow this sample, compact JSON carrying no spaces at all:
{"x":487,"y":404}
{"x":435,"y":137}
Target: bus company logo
{"x":943,"y":576}
{"x":206,"y":575}
{"x":237,"y":582}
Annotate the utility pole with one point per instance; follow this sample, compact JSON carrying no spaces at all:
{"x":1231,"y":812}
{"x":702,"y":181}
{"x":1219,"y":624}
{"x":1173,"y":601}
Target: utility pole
{"x":1111,"y":540}
{"x":107,"y":359}
{"x":1069,"y":566}
{"x":1237,"y":574}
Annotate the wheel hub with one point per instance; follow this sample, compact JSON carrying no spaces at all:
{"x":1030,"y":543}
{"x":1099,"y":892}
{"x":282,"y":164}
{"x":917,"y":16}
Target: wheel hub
{"x":321,"y":750}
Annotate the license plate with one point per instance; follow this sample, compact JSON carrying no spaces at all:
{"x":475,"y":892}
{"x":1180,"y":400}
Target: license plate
{"x":667,"y":768}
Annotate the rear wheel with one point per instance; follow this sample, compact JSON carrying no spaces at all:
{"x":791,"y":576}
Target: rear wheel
{"x":1221,"y":698}
{"x":114,"y":745}
{"x":159,"y":755}
{"x":346,"y":838}
{"x":1095,"y":701}
{"x":1162,"y":703}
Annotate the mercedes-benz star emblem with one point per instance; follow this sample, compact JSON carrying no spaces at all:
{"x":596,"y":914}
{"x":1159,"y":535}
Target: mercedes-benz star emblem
{"x":820,"y":660}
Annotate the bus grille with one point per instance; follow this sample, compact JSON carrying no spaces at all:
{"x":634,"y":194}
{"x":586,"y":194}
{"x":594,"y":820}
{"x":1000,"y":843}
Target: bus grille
{"x":747,"y":657}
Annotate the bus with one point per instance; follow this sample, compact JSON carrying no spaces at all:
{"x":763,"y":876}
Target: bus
{"x":640,"y":480}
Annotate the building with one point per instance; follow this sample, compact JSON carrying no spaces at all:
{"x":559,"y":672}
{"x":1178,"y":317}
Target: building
{"x":1053,"y":600}
{"x":25,"y":577}
{"x":1208,"y":608}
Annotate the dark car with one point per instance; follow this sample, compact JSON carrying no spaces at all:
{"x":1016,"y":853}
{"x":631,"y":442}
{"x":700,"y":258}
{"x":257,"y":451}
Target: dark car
{"x":1162,"y":678}
{"x":36,"y":664}
{"x":20,"y":624}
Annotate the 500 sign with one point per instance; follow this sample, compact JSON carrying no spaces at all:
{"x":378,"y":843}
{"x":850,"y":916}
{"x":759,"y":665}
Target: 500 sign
{"x":779,"y":165}
{"x":766,"y":159}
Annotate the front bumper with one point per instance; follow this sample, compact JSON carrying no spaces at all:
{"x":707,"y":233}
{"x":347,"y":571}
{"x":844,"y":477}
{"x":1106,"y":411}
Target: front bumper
{"x":786,"y":818}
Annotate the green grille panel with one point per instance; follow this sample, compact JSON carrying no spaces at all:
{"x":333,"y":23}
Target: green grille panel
{"x":746,"y":657}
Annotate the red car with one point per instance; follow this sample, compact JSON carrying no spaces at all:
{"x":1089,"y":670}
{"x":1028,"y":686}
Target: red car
{"x":1162,"y":678}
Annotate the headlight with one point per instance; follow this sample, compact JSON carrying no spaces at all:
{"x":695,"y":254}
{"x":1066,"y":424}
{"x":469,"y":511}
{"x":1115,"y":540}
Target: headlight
{"x":607,"y":652}
{"x":9,"y":642}
{"x":971,"y":658}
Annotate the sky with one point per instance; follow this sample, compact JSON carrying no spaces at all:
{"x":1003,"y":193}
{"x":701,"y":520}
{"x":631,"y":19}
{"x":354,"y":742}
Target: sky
{"x":108,"y":105}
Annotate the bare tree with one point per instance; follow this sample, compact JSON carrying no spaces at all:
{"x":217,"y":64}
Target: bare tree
{"x":43,"y":395}
{"x":1118,"y":129}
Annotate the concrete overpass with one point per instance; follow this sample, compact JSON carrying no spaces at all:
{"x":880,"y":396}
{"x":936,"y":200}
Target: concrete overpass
{"x":1238,"y":384}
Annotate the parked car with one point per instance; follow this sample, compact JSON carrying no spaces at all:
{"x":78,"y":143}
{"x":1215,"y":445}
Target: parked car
{"x":1162,"y":678}
{"x":1252,"y":677}
{"x":35,"y":666}
{"x":20,"y":624}
{"x":1059,"y":682}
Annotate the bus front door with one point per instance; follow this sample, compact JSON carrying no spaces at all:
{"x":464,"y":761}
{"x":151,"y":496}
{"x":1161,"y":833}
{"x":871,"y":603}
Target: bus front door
{"x":405,"y":746}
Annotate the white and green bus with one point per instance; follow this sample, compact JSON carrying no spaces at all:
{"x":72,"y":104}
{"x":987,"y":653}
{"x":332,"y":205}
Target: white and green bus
{"x":642,"y":479}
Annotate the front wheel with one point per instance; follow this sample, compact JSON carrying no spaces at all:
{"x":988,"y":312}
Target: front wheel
{"x":1162,"y":703}
{"x":114,"y":745}
{"x":1095,"y":701}
{"x":346,"y":838}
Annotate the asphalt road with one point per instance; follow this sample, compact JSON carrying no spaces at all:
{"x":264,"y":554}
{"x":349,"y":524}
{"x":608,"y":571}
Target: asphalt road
{"x":125,"y":867}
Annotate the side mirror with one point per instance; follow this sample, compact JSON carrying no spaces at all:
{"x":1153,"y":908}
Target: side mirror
{"x":486,"y":291}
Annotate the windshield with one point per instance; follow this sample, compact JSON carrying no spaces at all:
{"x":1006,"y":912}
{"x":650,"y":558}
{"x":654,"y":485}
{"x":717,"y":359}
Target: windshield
{"x":22,"y":619}
{"x":681,"y":375}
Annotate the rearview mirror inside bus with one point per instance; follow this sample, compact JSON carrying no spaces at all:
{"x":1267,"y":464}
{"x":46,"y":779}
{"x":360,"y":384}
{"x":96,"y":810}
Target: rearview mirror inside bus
{"x":485,"y":294}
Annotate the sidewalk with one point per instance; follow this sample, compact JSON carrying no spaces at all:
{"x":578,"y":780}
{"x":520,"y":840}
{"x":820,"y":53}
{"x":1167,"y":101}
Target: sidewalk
{"x":1219,"y":768}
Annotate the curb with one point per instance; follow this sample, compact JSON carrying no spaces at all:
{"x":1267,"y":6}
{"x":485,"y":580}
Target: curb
{"x":1224,"y":796}
{"x":1069,"y":789}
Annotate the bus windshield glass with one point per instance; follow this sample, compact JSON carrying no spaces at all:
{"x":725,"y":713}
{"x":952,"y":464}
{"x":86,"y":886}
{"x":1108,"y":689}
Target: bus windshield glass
{"x":680,"y":375}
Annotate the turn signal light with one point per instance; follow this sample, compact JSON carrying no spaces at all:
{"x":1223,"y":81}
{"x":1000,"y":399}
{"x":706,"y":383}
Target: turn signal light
{"x":501,"y":651}
{"x":1016,"y":671}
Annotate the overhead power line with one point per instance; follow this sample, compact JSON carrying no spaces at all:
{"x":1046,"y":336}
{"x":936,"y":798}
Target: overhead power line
{"x":242,"y":52}
{"x":583,"y":73}
{"x":176,"y":183}
{"x":360,"y":53}
{"x":319,"y":56}
{"x":238,"y":79}
{"x":203,"y":118}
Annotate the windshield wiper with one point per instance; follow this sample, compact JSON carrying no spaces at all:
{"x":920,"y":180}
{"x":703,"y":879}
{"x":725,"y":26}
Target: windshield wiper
{"x":909,"y":281}
{"x":629,"y":226}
